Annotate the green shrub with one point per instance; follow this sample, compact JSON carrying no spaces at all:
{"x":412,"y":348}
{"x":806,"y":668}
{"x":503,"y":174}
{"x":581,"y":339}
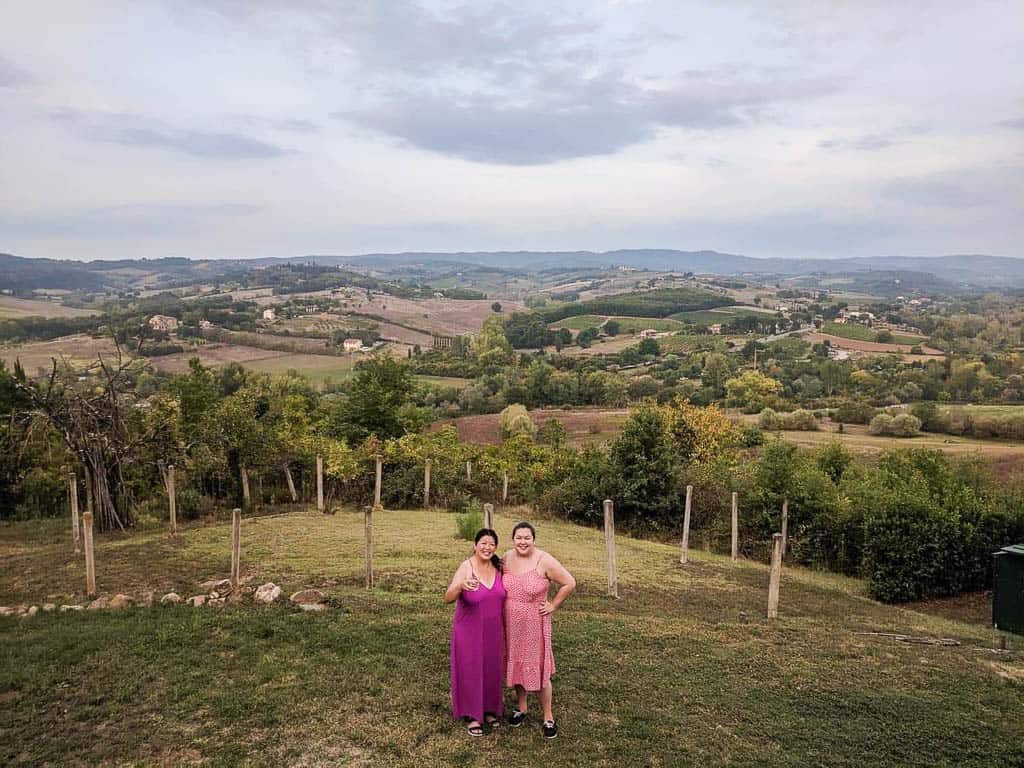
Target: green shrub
{"x":902,"y":425}
{"x":470,"y":521}
{"x":852,"y":412}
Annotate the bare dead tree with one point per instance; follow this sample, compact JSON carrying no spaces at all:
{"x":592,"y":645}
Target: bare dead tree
{"x":89,"y":408}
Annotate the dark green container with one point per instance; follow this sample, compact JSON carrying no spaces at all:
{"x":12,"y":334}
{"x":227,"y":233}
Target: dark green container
{"x":1008,"y":589}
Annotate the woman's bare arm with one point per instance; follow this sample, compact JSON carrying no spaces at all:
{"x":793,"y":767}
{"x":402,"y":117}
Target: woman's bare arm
{"x":458,"y":580}
{"x":556,"y":572}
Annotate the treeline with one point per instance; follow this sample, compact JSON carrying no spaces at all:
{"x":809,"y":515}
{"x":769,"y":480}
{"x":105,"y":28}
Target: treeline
{"x":657,"y":303}
{"x":916,"y":523}
{"x":45,"y":328}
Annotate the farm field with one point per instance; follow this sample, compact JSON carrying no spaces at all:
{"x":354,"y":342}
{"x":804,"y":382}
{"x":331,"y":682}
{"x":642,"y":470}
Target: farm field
{"x":682,"y":669}
{"x":12,"y":308}
{"x":723,"y":315}
{"x":445,"y":381}
{"x":77,"y":348}
{"x":579,"y":322}
{"x":983,"y":410}
{"x":859,"y":332}
{"x":582,"y":426}
{"x":870,"y":346}
{"x":320,"y":369}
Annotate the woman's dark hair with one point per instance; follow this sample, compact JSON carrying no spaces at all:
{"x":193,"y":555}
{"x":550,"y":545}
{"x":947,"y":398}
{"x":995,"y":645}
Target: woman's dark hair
{"x":495,"y":560}
{"x":526,"y":525}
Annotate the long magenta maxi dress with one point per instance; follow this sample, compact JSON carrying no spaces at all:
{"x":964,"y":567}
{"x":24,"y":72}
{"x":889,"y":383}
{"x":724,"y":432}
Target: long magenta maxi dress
{"x":478,"y":651}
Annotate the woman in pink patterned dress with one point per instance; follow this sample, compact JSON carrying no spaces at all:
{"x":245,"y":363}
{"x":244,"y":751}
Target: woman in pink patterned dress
{"x":528,"y":573}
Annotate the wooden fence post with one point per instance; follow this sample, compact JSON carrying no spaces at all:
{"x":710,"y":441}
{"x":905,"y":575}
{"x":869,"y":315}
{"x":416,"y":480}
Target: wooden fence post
{"x":172,"y":500}
{"x":489,"y":516}
{"x":291,"y":482}
{"x":236,"y":547}
{"x":246,"y":495}
{"x":75,"y":528}
{"x":686,"y":526}
{"x":90,"y":559}
{"x":319,"y":483}
{"x":735,"y":526}
{"x":609,"y":539}
{"x":469,"y":471}
{"x":426,"y":485}
{"x":504,"y":486}
{"x":376,"y":484}
{"x":785,"y":526}
{"x":775,"y":577}
{"x":368,"y":532}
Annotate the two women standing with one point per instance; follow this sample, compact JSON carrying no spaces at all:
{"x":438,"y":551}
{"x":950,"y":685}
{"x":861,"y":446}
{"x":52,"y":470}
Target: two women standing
{"x":504,"y":628}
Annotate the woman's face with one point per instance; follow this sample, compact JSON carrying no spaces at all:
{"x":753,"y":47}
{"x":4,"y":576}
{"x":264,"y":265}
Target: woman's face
{"x":485,"y":547}
{"x":523,"y":542}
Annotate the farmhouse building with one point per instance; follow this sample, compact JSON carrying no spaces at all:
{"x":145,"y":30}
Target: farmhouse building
{"x":715,"y":329}
{"x":269,"y":314}
{"x":163,"y":323}
{"x":351,"y":345}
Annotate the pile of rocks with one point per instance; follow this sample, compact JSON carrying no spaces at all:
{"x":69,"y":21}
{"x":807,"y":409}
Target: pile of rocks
{"x":219,"y":592}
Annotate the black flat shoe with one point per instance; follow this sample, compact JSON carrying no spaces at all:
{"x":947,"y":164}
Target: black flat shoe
{"x":516,"y":718}
{"x":550,"y":729}
{"x":492,"y":721}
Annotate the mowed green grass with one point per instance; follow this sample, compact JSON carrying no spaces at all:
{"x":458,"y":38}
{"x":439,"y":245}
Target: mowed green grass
{"x":859,"y":332}
{"x":669,"y":674}
{"x":579,"y":322}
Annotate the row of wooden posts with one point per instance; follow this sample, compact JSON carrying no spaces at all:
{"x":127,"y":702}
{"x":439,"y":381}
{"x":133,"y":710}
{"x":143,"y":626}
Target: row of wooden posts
{"x":775,"y":575}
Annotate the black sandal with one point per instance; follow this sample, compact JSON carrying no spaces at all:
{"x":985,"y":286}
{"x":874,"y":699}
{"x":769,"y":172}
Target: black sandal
{"x":492,"y":721}
{"x":475,"y":730}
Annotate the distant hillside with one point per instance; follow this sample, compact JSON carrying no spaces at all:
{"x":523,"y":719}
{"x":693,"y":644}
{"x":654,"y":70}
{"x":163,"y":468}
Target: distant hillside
{"x":940,"y":273}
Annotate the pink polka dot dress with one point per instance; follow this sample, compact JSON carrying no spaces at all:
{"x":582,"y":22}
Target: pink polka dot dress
{"x":529,"y":659}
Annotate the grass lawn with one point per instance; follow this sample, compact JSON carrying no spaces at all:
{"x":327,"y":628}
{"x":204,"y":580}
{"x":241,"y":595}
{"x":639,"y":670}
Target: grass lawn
{"x":670,"y":674}
{"x":637,"y":324}
{"x":863,"y":333}
{"x":983,"y":410}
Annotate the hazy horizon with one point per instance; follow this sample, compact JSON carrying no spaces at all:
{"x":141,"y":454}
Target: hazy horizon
{"x":227,"y":130}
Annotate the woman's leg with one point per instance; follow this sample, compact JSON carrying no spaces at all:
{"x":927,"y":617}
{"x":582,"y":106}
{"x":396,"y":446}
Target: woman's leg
{"x":545,"y":702}
{"x":521,"y":698}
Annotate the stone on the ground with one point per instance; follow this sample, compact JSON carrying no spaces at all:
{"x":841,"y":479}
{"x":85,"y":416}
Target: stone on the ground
{"x":146,"y":601}
{"x":315,"y":607}
{"x":196,"y":600}
{"x":99,"y":603}
{"x":306,"y":597}
{"x":216,"y":602}
{"x":32,"y":611}
{"x":171,"y":598}
{"x":222,"y":588}
{"x":120,"y":601}
{"x":65,"y":608}
{"x":5,"y":610}
{"x":49,"y":607}
{"x":267,"y":593}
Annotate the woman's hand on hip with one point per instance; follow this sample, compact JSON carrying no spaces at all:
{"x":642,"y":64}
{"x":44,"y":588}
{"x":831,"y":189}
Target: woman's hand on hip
{"x":547,"y":609}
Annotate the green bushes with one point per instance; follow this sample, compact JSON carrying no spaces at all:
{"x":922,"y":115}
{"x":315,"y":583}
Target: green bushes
{"x":852,"y":412}
{"x":901,"y":425}
{"x":799,"y":420}
{"x":470,"y":521}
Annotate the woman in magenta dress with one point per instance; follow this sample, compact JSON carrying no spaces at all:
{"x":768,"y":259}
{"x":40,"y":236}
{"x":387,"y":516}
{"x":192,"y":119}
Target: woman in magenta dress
{"x":478,"y":636}
{"x":528,"y":575}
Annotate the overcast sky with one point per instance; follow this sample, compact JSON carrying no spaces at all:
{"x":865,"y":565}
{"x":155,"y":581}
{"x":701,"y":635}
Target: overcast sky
{"x":239,"y":128}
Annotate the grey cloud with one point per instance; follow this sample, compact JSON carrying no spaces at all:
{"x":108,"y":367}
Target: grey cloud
{"x":1018,"y":123}
{"x":965,"y":188}
{"x":568,"y":116}
{"x":129,"y":130}
{"x":870,"y":143}
{"x":12,"y":76}
{"x":123,"y":220}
